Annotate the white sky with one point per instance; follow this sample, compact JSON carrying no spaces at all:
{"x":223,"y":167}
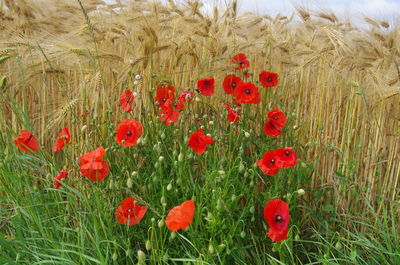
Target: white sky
{"x":388,"y":10}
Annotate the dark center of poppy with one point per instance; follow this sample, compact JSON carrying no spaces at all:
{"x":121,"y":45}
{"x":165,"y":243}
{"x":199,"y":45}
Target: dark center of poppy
{"x":206,"y":82}
{"x":269,"y":79}
{"x":233,"y":85}
{"x":271,"y":125}
{"x":129,"y":210}
{"x":247,"y":91}
{"x":278,"y":218}
{"x":275,"y":117}
{"x":287,"y":153}
{"x":241,"y":63}
{"x":128,"y":133}
{"x":164,"y":99}
{"x":272,"y":161}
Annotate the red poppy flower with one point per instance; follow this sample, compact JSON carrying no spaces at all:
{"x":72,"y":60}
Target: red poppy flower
{"x":63,"y":138}
{"x":205,"y":86}
{"x":179,"y":105}
{"x":276,"y":213}
{"x":247,"y":74}
{"x":128,"y":132}
{"x":286,"y":157}
{"x":198,"y":141}
{"x":164,"y":92}
{"x":63,"y":174}
{"x":232,"y":116}
{"x":130,"y":212}
{"x":241,"y":61}
{"x":126,"y":100}
{"x":267,"y":163}
{"x":92,"y":166}
{"x":186,"y":96}
{"x":247,"y":93}
{"x":180,"y":216}
{"x":268,"y":79}
{"x":168,"y":114}
{"x":230,"y":83}
{"x":271,"y":129}
{"x":277,"y":117}
{"x":26,"y":142}
{"x":86,"y":113}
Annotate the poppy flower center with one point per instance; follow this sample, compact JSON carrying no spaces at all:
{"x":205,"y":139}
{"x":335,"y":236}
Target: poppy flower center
{"x":272,"y":161}
{"x":206,"y":82}
{"x":272,"y":125}
{"x":129,"y":210}
{"x":233,"y":85}
{"x":269,"y":79}
{"x":275,"y":118}
{"x":128,"y":133}
{"x":247,"y":91}
{"x":278,"y":218}
{"x":164,"y":100}
{"x":287,"y":153}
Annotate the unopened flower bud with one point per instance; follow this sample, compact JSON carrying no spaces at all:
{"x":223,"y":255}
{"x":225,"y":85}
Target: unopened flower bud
{"x":148,"y":245}
{"x":211,"y":249}
{"x":160,"y":223}
{"x":141,"y":256}
{"x":180,"y":157}
{"x":115,"y":256}
{"x":247,"y":135}
{"x":161,"y":158}
{"x":129,"y":183}
{"x":301,"y":192}
{"x":211,"y":122}
{"x":84,"y":127}
{"x":169,"y":187}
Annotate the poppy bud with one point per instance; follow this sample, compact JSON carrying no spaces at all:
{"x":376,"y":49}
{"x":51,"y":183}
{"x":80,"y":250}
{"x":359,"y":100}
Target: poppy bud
{"x":163,"y":136}
{"x":163,"y":200}
{"x":141,"y":256}
{"x":233,"y":198}
{"x":253,"y":219}
{"x":338,"y":245}
{"x":221,"y":172}
{"x":301,"y":192}
{"x":134,"y":173}
{"x":180,"y":157}
{"x":156,"y":165}
{"x":84,"y":127}
{"x":297,"y":237}
{"x":161,"y":158}
{"x":211,"y":249}
{"x":148,"y":245}
{"x":129,"y":183}
{"x":241,"y":167}
{"x":243,"y":234}
{"x":173,"y":235}
{"x":247,"y":135}
{"x":211,"y":122}
{"x":153,"y":220}
{"x":219,"y":205}
{"x":128,"y":252}
{"x":251,"y":183}
{"x":252,"y":209}
{"x":222,"y":246}
{"x":197,"y":99}
{"x":110,"y":185}
{"x":115,"y":256}
{"x":160,"y":223}
{"x":169,"y":187}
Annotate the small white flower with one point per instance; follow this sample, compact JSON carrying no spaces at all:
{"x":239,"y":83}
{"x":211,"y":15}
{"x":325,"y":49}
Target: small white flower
{"x":301,"y":192}
{"x":247,"y":135}
{"x":135,"y":83}
{"x":135,"y":94}
{"x":138,"y":77}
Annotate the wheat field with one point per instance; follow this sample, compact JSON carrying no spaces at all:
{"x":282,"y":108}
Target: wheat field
{"x":339,"y":83}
